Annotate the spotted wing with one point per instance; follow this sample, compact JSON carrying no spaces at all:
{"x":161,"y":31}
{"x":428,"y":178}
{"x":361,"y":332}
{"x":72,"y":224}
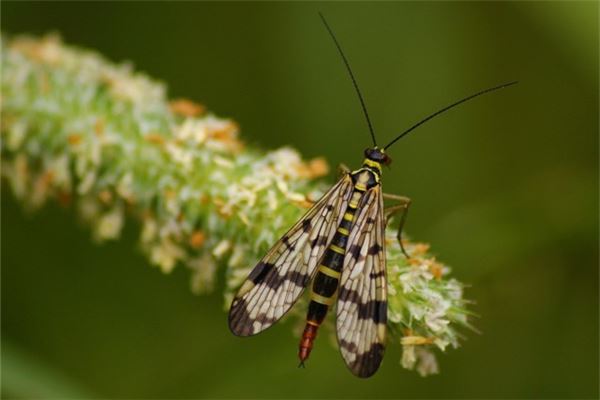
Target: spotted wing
{"x":362,"y":301}
{"x":280,"y":277}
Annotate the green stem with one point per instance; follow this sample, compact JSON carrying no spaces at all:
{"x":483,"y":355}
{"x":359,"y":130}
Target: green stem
{"x":104,"y":139}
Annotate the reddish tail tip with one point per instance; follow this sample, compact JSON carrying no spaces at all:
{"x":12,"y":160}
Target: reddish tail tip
{"x":306,"y":343}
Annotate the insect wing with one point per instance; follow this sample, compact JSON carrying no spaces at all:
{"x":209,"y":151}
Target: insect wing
{"x":277,"y":281}
{"x":362,"y":301}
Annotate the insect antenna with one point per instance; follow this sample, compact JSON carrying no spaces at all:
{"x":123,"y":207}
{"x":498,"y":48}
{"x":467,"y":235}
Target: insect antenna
{"x":362,"y":102}
{"x":435,"y":114}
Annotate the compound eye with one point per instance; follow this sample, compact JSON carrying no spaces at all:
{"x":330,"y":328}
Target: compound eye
{"x":386,"y":160}
{"x":367,"y":152}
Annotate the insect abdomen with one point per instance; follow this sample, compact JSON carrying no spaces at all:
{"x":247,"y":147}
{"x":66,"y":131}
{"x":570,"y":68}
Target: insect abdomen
{"x":326,"y":281}
{"x":322,"y":296}
{"x":306,"y":343}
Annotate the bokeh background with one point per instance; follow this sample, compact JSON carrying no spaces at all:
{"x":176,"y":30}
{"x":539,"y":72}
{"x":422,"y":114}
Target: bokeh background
{"x":504,"y":188}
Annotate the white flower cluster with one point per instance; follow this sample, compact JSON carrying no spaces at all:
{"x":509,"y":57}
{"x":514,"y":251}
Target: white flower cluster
{"x":105,"y":140}
{"x":426,"y":303}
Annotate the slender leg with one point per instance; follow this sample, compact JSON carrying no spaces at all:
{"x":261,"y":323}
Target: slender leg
{"x":401,"y":207}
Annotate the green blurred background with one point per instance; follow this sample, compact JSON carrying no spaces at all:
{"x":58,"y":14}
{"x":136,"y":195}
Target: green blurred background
{"x":504,"y":188}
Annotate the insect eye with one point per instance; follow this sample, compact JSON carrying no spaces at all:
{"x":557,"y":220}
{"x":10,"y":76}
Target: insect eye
{"x":367,"y":152}
{"x":387,"y":160}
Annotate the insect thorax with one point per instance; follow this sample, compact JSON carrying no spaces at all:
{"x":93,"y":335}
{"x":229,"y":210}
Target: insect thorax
{"x":366,"y":176}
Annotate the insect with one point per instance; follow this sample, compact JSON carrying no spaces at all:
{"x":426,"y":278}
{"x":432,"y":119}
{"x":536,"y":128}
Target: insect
{"x":338,"y":248}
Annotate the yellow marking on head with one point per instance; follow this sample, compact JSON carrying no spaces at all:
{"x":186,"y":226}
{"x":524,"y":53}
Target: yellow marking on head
{"x":321,"y":299}
{"x":337,"y":249}
{"x":343,"y":231}
{"x":373,"y":164}
{"x":348,"y":216}
{"x":329,"y":271}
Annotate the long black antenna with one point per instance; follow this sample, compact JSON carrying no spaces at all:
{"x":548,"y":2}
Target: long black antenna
{"x":406,"y":132}
{"x":362,"y":102}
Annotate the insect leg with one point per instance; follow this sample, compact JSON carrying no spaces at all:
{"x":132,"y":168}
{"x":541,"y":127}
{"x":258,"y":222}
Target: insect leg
{"x":401,"y":207}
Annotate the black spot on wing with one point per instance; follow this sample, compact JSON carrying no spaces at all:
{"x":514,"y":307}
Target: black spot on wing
{"x":297,"y":278}
{"x":319,"y":241}
{"x":348,"y":346}
{"x":374,"y":310}
{"x":375,"y":249}
{"x":366,"y":364}
{"x":286,"y":241}
{"x":239,"y":318}
{"x":349,"y":295}
{"x":260,"y":272}
{"x":306,"y":225}
{"x":376,"y":275}
{"x":354,"y":251}
{"x":240,"y":322}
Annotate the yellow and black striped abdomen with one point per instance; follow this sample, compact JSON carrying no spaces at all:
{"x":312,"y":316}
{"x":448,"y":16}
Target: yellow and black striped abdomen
{"x":326,"y":281}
